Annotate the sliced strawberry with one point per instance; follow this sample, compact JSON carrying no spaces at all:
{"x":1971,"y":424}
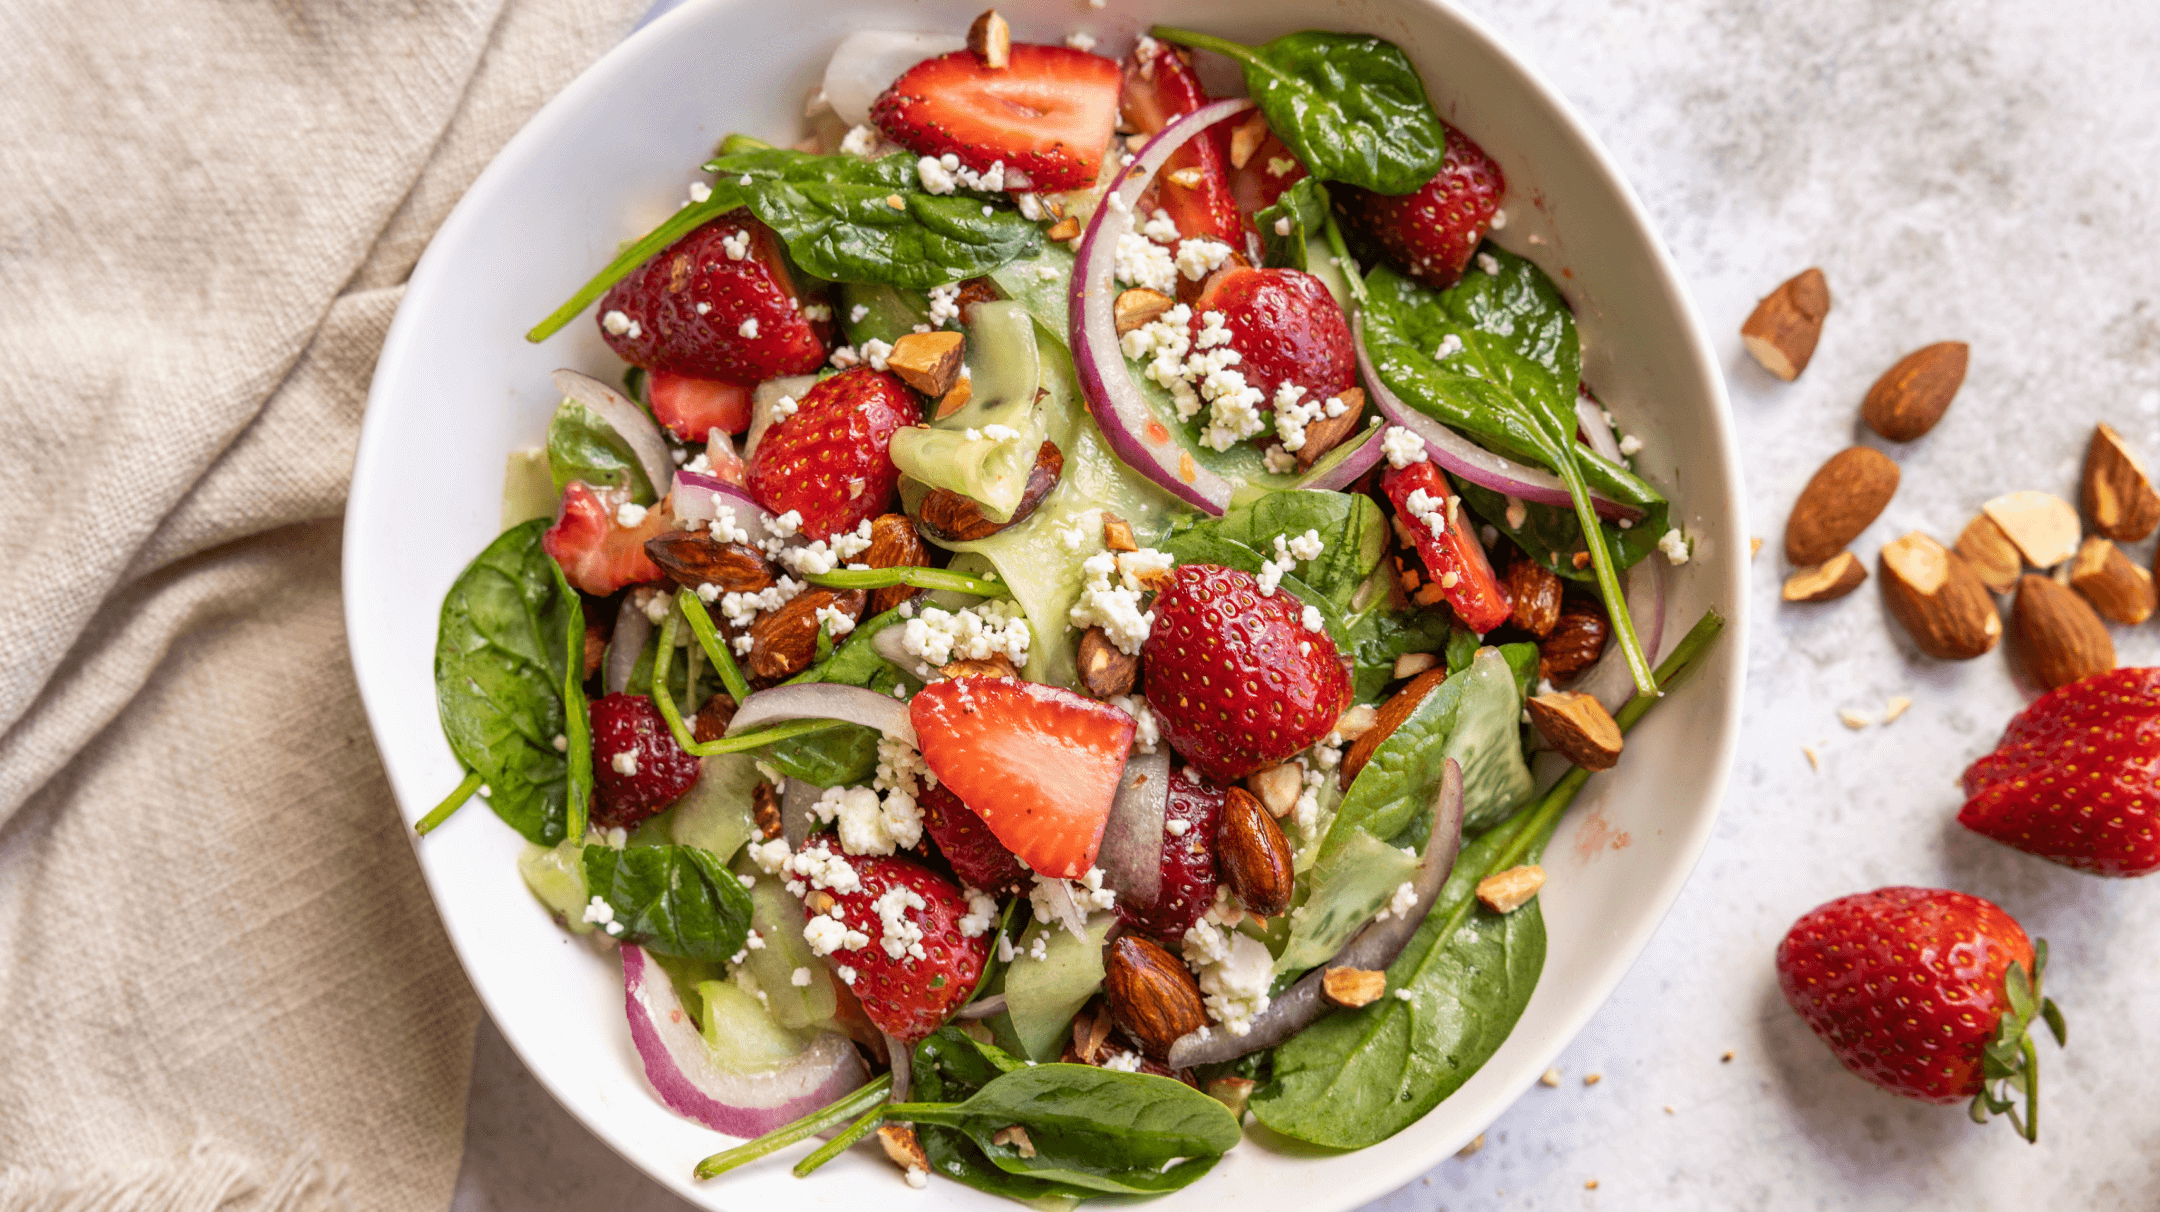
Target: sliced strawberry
{"x":1433,"y":231}
{"x":1264,"y":177}
{"x":831,"y":461}
{"x":1047,"y":116}
{"x":598,"y":553}
{"x":693,"y":408}
{"x":975,"y":853}
{"x":1039,"y":764}
{"x":1286,"y":328}
{"x":1188,"y":859}
{"x":718,"y":304}
{"x":916,"y":963}
{"x":638,"y":769}
{"x":2073,"y":779}
{"x":1423,"y":497}
{"x":1193,"y":187}
{"x":1235,"y":678}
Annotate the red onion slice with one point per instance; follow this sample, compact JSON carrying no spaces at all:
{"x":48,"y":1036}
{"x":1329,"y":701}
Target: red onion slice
{"x":1363,"y":457}
{"x":825,"y":701}
{"x":700,"y":497}
{"x":683,"y":1073}
{"x":983,"y":1007}
{"x":624,"y":418}
{"x":1610,"y":681}
{"x":1131,"y":854}
{"x":798,"y":816}
{"x":1591,"y":417}
{"x":867,"y":62}
{"x":1135,"y":434}
{"x":1472,"y":462}
{"x":625,"y":644}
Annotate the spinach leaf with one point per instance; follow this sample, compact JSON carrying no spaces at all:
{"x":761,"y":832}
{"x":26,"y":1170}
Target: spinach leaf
{"x":672,"y":900}
{"x":1296,"y":217}
{"x":1358,"y":1077}
{"x":1378,"y":636}
{"x":581,"y":446}
{"x":838,"y":757}
{"x":1552,"y":534}
{"x":887,"y":313}
{"x":502,"y":662}
{"x":577,"y":718}
{"x":949,"y":1067}
{"x":1350,"y":105}
{"x":1106,"y":1131}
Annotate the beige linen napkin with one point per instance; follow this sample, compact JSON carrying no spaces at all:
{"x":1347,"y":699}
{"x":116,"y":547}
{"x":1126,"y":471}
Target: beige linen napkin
{"x":221,"y":982}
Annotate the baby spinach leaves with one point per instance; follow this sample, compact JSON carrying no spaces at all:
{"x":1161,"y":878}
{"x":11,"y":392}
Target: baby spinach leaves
{"x":581,"y":446}
{"x":503,"y":653}
{"x":671,"y":900}
{"x":1350,"y":105}
{"x":1297,"y":216}
{"x":1552,"y":534}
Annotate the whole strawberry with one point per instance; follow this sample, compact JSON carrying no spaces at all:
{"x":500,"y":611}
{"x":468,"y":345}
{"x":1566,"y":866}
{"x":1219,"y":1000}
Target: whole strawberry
{"x":2074,"y":778}
{"x":1188,"y":859}
{"x":717,"y":304}
{"x":1286,"y":328}
{"x":1433,"y":231}
{"x":897,"y":933}
{"x":638,"y":769}
{"x":975,"y":853}
{"x":1925,"y":992}
{"x":1236,"y":679}
{"x":831,"y":461}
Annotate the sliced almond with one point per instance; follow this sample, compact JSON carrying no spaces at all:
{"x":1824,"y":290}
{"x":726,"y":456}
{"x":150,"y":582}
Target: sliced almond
{"x":1840,"y":500}
{"x":1325,"y":433}
{"x":1117,"y":534}
{"x":1353,"y":987}
{"x":1938,"y":598}
{"x":902,"y":1149}
{"x":1509,"y":890}
{"x":1139,"y":307}
{"x":2117,"y":588}
{"x":929,"y":362}
{"x":1357,"y":721}
{"x":2117,"y":493}
{"x":1991,"y":553}
{"x":1105,"y":669}
{"x":1015,"y":1138}
{"x":1913,"y":395}
{"x":1067,"y":228}
{"x":956,"y":399}
{"x":1232,"y":1092}
{"x":1782,"y":331}
{"x":1246,"y":138}
{"x":2042,"y":525}
{"x":1579,"y":727}
{"x":991,"y":40}
{"x":1411,"y":664}
{"x":1277,"y":787}
{"x":1827,"y":581}
{"x":2059,"y":636}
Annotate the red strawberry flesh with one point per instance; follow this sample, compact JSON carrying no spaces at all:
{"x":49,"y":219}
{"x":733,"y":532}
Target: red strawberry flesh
{"x":1453,"y":555}
{"x":831,"y":461}
{"x":911,"y":980}
{"x":599,"y":554}
{"x":1193,"y":186}
{"x":717,"y":304}
{"x":2076,"y":777}
{"x":638,"y":769}
{"x":975,"y":853}
{"x":1285,"y":326}
{"x":1433,"y":231}
{"x":693,"y":408}
{"x":1046,"y":116}
{"x":1188,"y":859}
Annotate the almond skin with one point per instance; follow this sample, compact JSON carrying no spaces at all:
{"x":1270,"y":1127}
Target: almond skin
{"x":1151,"y":994}
{"x":691,"y":560}
{"x":1105,"y":670}
{"x":1536,"y":592}
{"x":1353,"y":987}
{"x":1827,"y":581}
{"x":1253,"y":854}
{"x":1509,"y":890}
{"x":1326,"y":433}
{"x":1845,"y":495}
{"x":2116,"y":491}
{"x":2059,"y":636}
{"x":1938,"y":599}
{"x":784,"y":642}
{"x":1913,"y":395}
{"x":2117,"y":588}
{"x":1392,"y":714}
{"x":990,"y":38}
{"x":1578,"y":727}
{"x":1782,"y":331}
{"x":929,"y":362}
{"x":893,"y":544}
{"x":952,"y":518}
{"x":1991,"y":553}
{"x":1576,"y":642}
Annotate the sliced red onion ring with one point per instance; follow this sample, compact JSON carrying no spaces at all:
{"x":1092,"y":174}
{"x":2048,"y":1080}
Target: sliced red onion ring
{"x":624,"y":418}
{"x":867,"y":62}
{"x":700,"y":497}
{"x":1591,"y":416}
{"x":1610,"y":681}
{"x":1134,"y":433}
{"x":1373,"y":948}
{"x":798,"y":814}
{"x":825,"y":701}
{"x":1132,"y":841}
{"x":1363,"y":457}
{"x":983,"y":1007}
{"x":625,"y":644}
{"x":902,"y":1058}
{"x":762,"y":401}
{"x":684,"y":1075}
{"x":1472,"y":462}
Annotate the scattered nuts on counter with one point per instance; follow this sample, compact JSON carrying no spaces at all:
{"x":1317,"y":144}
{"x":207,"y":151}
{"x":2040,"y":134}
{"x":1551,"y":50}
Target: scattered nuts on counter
{"x":2058,"y":635}
{"x":1913,"y":395}
{"x":2041,"y":525}
{"x":1827,"y":581}
{"x":1994,"y":558}
{"x":1782,"y":331}
{"x":1845,"y":495}
{"x":2117,"y":588}
{"x":1939,"y":599}
{"x":2116,"y":491}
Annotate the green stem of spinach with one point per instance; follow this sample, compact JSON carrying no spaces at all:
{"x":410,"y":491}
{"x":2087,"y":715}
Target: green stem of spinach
{"x":716,"y":649}
{"x":1209,"y":42}
{"x":664,"y":659}
{"x":869,"y":1095}
{"x":919,"y":578}
{"x":451,"y":803}
{"x":843,"y":1142}
{"x":678,"y":225}
{"x":1608,"y":577}
{"x":1343,"y":260}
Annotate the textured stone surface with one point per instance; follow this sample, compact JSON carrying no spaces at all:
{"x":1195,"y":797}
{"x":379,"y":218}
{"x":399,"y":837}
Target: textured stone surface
{"x":1977,"y":171}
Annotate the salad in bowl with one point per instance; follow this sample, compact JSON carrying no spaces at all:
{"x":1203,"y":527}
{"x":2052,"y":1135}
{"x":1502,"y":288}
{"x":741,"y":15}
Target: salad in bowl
{"x":1081,"y":607}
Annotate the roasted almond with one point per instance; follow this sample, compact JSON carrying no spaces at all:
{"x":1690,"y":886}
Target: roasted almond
{"x":893,"y":544}
{"x":949,"y":517}
{"x":996,"y":665}
{"x":595,"y":650}
{"x":1509,"y":890}
{"x":1392,"y":714}
{"x":1253,"y":854}
{"x":1576,"y":641}
{"x":2058,"y":635}
{"x":991,"y":40}
{"x":1117,"y":534}
{"x":1913,"y":395}
{"x":953,"y":401}
{"x":1846,"y":493}
{"x":2117,"y":493}
{"x":1782,"y":330}
{"x":783,"y":642}
{"x":691,"y":560}
{"x":1411,"y":664}
{"x":1578,"y":727}
{"x":1151,"y":994}
{"x":1105,"y":670}
{"x":1067,"y":228}
{"x":1994,"y":558}
{"x":1232,"y":1092}
{"x":902,"y":1149}
{"x":1938,"y":598}
{"x":1827,"y":581}
{"x":713,"y":717}
{"x":1536,"y":591}
{"x":929,"y":362}
{"x":1246,"y":138}
{"x":1325,"y":433}
{"x":2117,"y":588}
{"x":765,"y":809}
{"x":1139,"y":307}
{"x":1353,"y":987}
{"x":2042,"y":526}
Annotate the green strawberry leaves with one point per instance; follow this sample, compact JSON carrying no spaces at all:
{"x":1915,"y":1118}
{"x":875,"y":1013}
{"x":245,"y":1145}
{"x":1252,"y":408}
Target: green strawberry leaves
{"x":2010,"y":1065}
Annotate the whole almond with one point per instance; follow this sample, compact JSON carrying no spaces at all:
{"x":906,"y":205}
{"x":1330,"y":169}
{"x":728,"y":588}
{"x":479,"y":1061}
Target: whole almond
{"x":1938,"y":598}
{"x":1845,"y":494}
{"x":990,"y":38}
{"x":1991,"y":553}
{"x":893,"y":544}
{"x":1913,"y":395}
{"x":712,"y":719}
{"x":1576,"y":641}
{"x":1578,"y":727}
{"x":1253,"y":854}
{"x":1827,"y":581}
{"x":1151,"y":994}
{"x":2117,"y":493}
{"x":1391,"y":716}
{"x":2042,"y":526}
{"x":1105,"y":669}
{"x":691,"y":560}
{"x":1325,"y":433}
{"x":783,"y":642}
{"x":2059,"y":636}
{"x":1782,"y":331}
{"x":952,"y":518}
{"x":1536,"y":592}
{"x":2117,"y":588}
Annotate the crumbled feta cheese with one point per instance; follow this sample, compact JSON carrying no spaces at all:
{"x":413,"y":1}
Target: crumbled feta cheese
{"x":1499,"y":220}
{"x":844,"y":357}
{"x":944,"y":304}
{"x":815,"y":866}
{"x":845,"y":973}
{"x":786,"y":524}
{"x":1282,"y":226}
{"x":1426,"y":508}
{"x":1675,"y":546}
{"x":1140,"y":261}
{"x":856,"y":313}
{"x":562,"y":743}
{"x":800,"y":978}
{"x":1402,"y":446}
{"x":976,"y":633}
{"x":827,"y":933}
{"x":1489,"y":263}
{"x":1630,"y":446}
{"x":1114,"y":605}
{"x":1123,"y":1062}
{"x":599,"y":912}
{"x":1304,"y":547}
{"x":1449,"y":346}
{"x":1080,"y":41}
{"x":769,"y":856}
{"x":861,"y":141}
{"x":874,"y":352}
{"x":1176,"y":828}
{"x":1160,"y":228}
{"x":1278,"y":461}
{"x":748,"y":328}
{"x":736,"y":245}
{"x":616,"y":323}
{"x":900,"y":935}
{"x":625,"y":763}
{"x":1311,"y":619}
{"x":700,"y":192}
{"x":835,"y":621}
{"x":1400,"y":904}
{"x":784,"y":407}
{"x":1199,"y":257}
{"x":1001,"y":433}
{"x":982,"y":914}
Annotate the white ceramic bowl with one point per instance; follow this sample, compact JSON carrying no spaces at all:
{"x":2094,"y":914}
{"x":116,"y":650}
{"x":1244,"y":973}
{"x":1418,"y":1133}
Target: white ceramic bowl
{"x":457,"y":388}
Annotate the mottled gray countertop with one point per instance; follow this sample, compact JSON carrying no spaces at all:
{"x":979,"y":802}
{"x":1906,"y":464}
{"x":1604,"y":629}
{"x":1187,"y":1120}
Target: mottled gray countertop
{"x":1978,"y":170}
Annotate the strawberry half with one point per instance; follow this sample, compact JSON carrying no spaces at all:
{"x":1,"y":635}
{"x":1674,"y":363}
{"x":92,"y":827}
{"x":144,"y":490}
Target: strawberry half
{"x":2073,"y":780}
{"x":1286,"y":328}
{"x":1433,"y":231}
{"x":1235,"y":679}
{"x":1047,"y":116}
{"x":1193,"y":186}
{"x":975,"y":853}
{"x":638,"y":769}
{"x":1190,"y":817}
{"x":831,"y":460}
{"x":1452,"y":553}
{"x":917,"y":966}
{"x":717,"y":304}
{"x":693,"y":408}
{"x":1910,"y":986}
{"x":598,"y":553}
{"x":1268,"y":174}
{"x":1039,"y":764}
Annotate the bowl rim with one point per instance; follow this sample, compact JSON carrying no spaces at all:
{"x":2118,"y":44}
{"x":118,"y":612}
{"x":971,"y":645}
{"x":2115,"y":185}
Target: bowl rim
{"x":1729,"y":659}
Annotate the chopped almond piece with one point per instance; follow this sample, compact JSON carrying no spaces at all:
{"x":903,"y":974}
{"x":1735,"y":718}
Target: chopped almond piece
{"x":1509,"y":890}
{"x":929,"y":362}
{"x":1353,"y":987}
{"x":991,"y":40}
{"x":1117,"y":534}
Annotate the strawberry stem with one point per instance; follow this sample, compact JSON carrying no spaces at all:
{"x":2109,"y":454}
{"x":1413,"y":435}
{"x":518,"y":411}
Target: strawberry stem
{"x":868,"y":1096}
{"x":716,"y":649}
{"x":918,"y":578}
{"x":843,"y":1142}
{"x":451,"y":803}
